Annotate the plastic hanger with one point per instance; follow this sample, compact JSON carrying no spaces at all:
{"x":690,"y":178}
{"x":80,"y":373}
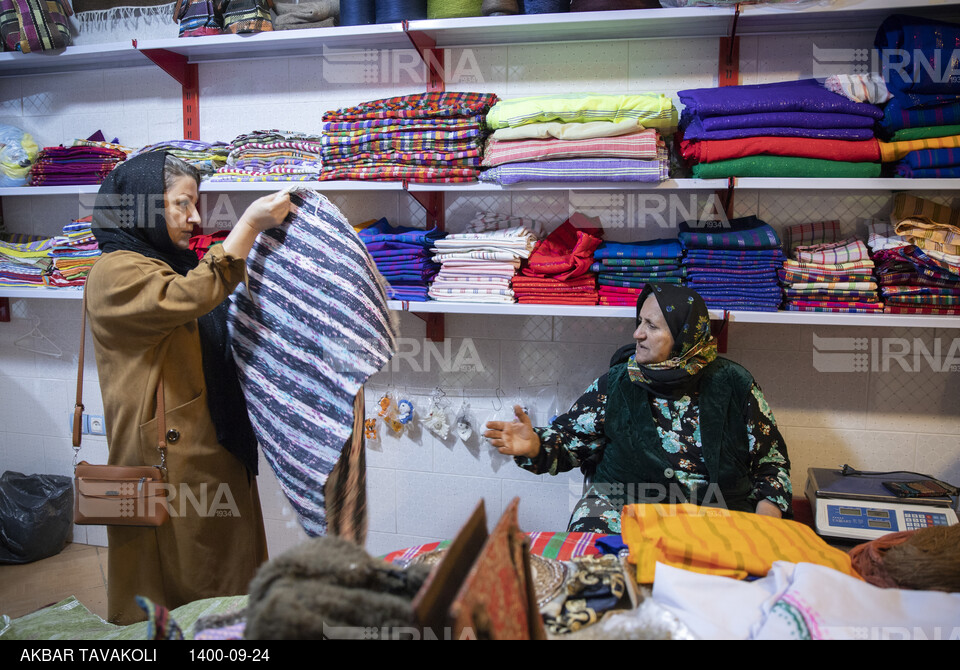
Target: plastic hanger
{"x":39,"y":343}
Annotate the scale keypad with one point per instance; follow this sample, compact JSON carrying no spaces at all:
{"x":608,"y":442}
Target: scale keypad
{"x":917,"y":520}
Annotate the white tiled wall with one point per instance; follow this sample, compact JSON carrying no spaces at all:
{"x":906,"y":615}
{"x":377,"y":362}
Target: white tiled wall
{"x":421,"y":487}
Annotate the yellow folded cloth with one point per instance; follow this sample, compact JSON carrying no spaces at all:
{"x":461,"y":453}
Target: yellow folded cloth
{"x":926,"y":224}
{"x":891,"y":152}
{"x":720,"y":542}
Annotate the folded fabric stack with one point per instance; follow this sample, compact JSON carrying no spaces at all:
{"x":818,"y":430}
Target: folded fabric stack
{"x":826,"y":273}
{"x":79,"y":164}
{"x":271,"y":155}
{"x":479,"y":264}
{"x":24,"y":260}
{"x":785,"y":129}
{"x":431,"y":137}
{"x":624,"y":269}
{"x":558,"y":271}
{"x":206,"y":157}
{"x":74,"y":252}
{"x":917,"y":261}
{"x":922,"y":120}
{"x":403,"y":257}
{"x":579,"y":138}
{"x":733,"y":265}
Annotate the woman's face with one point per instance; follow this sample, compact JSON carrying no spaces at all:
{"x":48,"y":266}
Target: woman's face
{"x":180,"y":208}
{"x":654,"y":340}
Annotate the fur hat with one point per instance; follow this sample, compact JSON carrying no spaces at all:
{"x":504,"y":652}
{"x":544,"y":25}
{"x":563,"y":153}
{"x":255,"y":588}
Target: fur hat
{"x":330,"y":588}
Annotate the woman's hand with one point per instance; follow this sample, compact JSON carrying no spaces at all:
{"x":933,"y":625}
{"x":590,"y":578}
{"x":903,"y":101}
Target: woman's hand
{"x":514,"y":438}
{"x":767,"y":508}
{"x":262,"y":214}
{"x":267,"y":212}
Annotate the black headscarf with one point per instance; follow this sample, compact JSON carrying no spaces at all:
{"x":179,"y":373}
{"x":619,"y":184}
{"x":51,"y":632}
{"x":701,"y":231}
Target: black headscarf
{"x":129,"y":216}
{"x":694,"y":348}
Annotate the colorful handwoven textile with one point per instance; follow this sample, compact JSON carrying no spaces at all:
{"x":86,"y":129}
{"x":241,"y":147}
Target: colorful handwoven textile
{"x":720,"y":542}
{"x":639,"y":145}
{"x":785,"y":167}
{"x":806,"y":95}
{"x":894,"y":151}
{"x":425,"y":105}
{"x":651,"y":110}
{"x":74,"y":165}
{"x":205,"y":156}
{"x":576,"y":170}
{"x":313,"y":328}
{"x":710,"y":151}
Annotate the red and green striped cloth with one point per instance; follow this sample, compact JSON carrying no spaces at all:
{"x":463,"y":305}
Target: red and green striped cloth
{"x":561,"y":546}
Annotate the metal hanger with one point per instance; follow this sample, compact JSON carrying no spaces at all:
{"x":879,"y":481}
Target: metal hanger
{"x":38,"y":343}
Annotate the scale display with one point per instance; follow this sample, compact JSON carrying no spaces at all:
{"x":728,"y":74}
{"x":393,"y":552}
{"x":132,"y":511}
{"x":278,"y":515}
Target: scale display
{"x":860,"y":509}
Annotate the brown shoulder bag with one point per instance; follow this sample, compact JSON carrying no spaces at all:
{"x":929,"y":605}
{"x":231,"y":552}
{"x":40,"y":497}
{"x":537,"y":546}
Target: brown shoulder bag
{"x":117,"y":495}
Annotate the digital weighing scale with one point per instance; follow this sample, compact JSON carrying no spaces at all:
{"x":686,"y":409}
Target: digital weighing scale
{"x":859,"y":507}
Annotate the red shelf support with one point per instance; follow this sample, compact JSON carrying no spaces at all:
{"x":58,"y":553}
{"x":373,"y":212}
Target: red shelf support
{"x":186,"y":74}
{"x":434,"y":58}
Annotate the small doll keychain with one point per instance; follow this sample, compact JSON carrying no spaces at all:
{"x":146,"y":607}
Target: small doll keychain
{"x":405,"y":411}
{"x":388,"y":412}
{"x":464,"y":424}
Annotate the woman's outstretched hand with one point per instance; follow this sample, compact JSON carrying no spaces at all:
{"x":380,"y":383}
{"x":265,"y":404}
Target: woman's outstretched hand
{"x":514,"y":438}
{"x":262,"y":214}
{"x":267,"y":212}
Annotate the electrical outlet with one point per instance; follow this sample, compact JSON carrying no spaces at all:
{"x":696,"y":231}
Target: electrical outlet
{"x":95,"y":425}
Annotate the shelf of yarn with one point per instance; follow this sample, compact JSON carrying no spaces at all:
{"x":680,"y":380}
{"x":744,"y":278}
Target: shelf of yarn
{"x":837,"y":16}
{"x":687,"y":22}
{"x":595,"y":311}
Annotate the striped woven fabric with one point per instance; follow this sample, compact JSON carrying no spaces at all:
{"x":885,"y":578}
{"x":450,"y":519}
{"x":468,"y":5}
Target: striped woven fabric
{"x":313,"y":328}
{"x":639,"y":146}
{"x":394,"y":172}
{"x":579,"y":171}
{"x":560,"y":546}
{"x":43,"y":25}
{"x":894,"y":151}
{"x":419,"y":107}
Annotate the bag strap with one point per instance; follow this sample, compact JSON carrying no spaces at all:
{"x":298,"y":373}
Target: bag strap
{"x":78,"y":405}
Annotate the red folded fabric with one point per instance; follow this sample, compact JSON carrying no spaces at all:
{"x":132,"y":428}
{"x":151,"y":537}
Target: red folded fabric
{"x":584,"y":283}
{"x":620,"y":290}
{"x":942,"y":311}
{"x":567,"y":252}
{"x":558,"y":301}
{"x":709,"y":151}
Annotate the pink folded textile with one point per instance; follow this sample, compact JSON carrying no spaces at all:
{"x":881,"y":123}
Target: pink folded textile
{"x":640,"y":146}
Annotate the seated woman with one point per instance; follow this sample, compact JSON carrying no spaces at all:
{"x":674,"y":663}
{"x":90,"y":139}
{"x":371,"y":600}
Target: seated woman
{"x":672,"y":424}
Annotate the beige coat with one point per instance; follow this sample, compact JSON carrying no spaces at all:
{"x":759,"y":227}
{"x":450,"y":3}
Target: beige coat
{"x":143,"y":317}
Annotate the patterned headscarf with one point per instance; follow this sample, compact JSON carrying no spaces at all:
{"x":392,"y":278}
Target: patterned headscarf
{"x":129,"y":215}
{"x":694,"y":347}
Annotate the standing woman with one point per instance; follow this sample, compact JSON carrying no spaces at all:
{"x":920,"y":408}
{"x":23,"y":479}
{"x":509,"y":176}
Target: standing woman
{"x":157,"y":313}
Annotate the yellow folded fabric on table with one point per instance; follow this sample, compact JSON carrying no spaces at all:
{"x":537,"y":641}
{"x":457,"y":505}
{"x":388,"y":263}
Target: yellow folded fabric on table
{"x":926,"y":224}
{"x":716,"y":541}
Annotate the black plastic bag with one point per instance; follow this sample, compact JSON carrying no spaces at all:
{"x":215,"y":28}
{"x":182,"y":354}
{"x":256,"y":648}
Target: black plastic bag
{"x":36,"y":515}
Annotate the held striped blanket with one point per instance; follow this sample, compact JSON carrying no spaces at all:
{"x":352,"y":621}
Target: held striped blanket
{"x":310,"y":331}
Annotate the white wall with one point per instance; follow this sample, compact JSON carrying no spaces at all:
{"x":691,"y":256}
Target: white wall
{"x":422,"y":488}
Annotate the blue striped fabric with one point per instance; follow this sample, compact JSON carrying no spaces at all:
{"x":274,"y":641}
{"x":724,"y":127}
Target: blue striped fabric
{"x":311,"y":331}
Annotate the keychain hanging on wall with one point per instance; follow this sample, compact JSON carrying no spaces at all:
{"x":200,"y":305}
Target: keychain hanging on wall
{"x":436,"y":420}
{"x":464,"y":424}
{"x":388,"y":412}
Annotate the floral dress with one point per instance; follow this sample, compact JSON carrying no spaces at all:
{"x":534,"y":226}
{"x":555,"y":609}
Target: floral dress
{"x":577,"y":439}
